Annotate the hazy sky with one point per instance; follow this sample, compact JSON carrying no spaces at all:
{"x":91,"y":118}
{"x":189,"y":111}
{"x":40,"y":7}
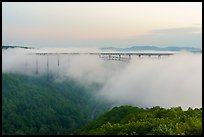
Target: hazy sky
{"x":102,"y":24}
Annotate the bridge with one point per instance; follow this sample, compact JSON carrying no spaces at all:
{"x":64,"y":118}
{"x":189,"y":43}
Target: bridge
{"x":119,"y":56}
{"x":111,"y":55}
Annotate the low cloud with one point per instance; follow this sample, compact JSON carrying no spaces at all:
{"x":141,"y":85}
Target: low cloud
{"x":169,"y":81}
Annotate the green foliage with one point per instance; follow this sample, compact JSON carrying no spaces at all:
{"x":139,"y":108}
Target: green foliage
{"x":36,"y":106}
{"x":127,"y":120}
{"x":33,"y":105}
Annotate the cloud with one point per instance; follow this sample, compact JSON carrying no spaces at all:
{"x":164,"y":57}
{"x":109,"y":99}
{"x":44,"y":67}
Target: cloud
{"x":180,"y":37}
{"x":185,"y":30}
{"x":170,"y":81}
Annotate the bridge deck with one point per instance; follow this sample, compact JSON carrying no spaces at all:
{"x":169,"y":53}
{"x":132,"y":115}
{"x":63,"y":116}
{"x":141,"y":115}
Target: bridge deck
{"x":108,"y":53}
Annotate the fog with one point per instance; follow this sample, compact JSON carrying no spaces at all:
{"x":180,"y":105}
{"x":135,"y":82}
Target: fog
{"x":145,"y":82}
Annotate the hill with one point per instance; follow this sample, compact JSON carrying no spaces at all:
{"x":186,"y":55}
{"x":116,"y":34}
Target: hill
{"x":7,"y":47}
{"x":33,"y":105}
{"x":128,"y":120}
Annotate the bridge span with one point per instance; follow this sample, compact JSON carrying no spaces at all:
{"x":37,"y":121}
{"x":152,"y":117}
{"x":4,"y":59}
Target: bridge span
{"x":119,"y":56}
{"x":110,"y":55}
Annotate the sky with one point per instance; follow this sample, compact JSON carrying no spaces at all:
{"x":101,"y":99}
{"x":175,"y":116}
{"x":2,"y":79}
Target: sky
{"x":102,"y":24}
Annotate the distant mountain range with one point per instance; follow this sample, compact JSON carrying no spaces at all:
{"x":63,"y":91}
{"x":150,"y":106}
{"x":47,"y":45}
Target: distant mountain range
{"x":6,"y":47}
{"x":136,"y":48}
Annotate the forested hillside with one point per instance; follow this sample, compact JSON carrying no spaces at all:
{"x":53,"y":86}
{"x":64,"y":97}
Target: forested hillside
{"x":34,"y":105}
{"x":128,"y":120}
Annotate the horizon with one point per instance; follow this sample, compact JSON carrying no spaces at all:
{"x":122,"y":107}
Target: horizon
{"x":99,"y":48}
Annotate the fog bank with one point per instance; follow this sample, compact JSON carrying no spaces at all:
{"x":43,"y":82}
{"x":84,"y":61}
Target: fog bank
{"x":167,"y":82}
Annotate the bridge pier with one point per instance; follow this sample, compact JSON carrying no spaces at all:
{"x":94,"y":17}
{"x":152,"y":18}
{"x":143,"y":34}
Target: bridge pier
{"x":47,"y":68}
{"x":26,"y":65}
{"x":58,"y":61}
{"x":129,"y":56}
{"x":58,"y":65}
{"x":36,"y":66}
